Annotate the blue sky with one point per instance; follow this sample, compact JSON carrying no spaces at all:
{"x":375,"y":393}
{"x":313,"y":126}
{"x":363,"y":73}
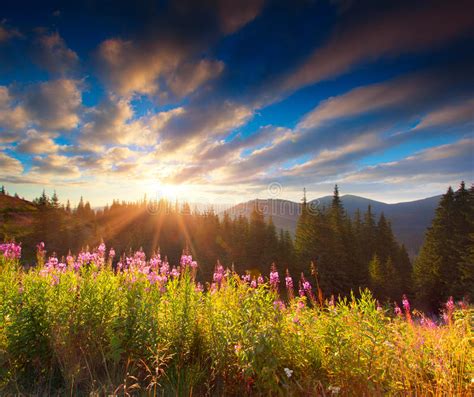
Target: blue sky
{"x":216,"y":100}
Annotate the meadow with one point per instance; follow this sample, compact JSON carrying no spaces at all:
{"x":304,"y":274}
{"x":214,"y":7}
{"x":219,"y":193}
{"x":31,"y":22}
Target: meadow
{"x":81,"y":325}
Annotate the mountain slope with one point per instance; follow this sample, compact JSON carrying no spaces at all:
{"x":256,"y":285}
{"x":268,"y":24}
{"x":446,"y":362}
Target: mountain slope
{"x":409,"y":219}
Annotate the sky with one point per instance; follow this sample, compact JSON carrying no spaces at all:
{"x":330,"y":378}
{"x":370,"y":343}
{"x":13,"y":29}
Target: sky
{"x":224,"y":100}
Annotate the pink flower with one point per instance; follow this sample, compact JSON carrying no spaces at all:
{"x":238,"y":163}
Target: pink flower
{"x":274,"y":277}
{"x":406,"y":304}
{"x":10,"y":250}
{"x":398,"y":311}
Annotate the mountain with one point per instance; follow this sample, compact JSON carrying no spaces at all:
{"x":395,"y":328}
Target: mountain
{"x":409,"y":219}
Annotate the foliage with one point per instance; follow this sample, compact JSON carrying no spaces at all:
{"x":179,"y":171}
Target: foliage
{"x":445,"y":265}
{"x":92,"y":324}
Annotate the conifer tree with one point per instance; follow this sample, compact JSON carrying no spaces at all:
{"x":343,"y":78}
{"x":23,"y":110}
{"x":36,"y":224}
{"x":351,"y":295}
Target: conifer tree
{"x":444,"y":266}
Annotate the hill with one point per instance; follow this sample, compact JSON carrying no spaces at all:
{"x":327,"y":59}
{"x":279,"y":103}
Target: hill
{"x":16,"y":216}
{"x":409,"y":219}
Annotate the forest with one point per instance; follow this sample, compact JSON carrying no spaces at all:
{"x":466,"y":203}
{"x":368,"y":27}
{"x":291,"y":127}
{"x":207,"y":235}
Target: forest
{"x":347,"y":254}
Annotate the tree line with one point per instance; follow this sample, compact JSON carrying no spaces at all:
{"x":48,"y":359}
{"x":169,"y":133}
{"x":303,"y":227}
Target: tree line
{"x":346,"y":253}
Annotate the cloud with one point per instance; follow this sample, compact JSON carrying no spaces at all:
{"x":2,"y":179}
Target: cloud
{"x":9,"y":166}
{"x":113,"y":122}
{"x":12,"y":116}
{"x":367,"y":99}
{"x":206,"y":120}
{"x":233,"y":15}
{"x":450,"y":114}
{"x":386,"y":34}
{"x":37,"y":143}
{"x":7,"y":33}
{"x":164,"y":58}
{"x":189,"y":77}
{"x":54,"y":105}
{"x":453,"y":161}
{"x":53,"y":54}
{"x":129,"y":67}
{"x":153,"y":68}
{"x":55,"y":165}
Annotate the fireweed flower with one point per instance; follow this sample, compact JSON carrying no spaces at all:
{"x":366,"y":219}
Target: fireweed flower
{"x":111,"y":253}
{"x":379,"y":308}
{"x":274,"y":277}
{"x":260,"y":280}
{"x":278,"y":304}
{"x":246,"y":278}
{"x":218,"y":274}
{"x":253,"y":284}
{"x":406,"y":304}
{"x":450,"y":304}
{"x":398,"y":311}
{"x":174,"y":272}
{"x":288,"y":281}
{"x":10,"y":250}
{"x":101,"y":249}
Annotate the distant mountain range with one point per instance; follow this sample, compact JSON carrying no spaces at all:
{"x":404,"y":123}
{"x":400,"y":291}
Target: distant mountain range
{"x":409,"y":219}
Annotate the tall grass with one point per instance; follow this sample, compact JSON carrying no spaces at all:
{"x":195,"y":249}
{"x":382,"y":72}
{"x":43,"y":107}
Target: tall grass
{"x":140,"y":327}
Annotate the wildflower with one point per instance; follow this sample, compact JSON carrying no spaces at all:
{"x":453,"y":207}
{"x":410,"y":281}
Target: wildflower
{"x":274,"y":277}
{"x":406,"y":304}
{"x":278,"y":304}
{"x":260,"y":280}
{"x":153,"y":277}
{"x":253,"y":284}
{"x":111,"y":253}
{"x":288,"y":280}
{"x":199,"y":287}
{"x":288,"y":372}
{"x":218,"y":273}
{"x":331,"y":301}
{"x":174,"y":272}
{"x":300,"y":304}
{"x":379,"y":308}
{"x":101,"y":249}
{"x":10,"y":250}
{"x":398,"y":311}
{"x":450,"y":304}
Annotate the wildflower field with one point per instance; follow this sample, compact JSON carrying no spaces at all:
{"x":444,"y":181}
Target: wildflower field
{"x":93,"y":323}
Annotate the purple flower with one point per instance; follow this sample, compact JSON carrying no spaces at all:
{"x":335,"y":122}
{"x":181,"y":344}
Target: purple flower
{"x":450,"y":304}
{"x":253,"y":284}
{"x":398,"y":311}
{"x":406,"y":304}
{"x":10,"y":250}
{"x":111,"y":253}
{"x":289,"y":281}
{"x":218,"y":274}
{"x":278,"y":304}
{"x":274,"y":277}
{"x":101,"y":249}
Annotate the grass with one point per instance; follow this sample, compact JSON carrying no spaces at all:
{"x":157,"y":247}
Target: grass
{"x":83,"y":327}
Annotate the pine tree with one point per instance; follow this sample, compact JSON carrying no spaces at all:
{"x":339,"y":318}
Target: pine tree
{"x":55,"y":200}
{"x":2,"y":191}
{"x":444,"y":267}
{"x":377,"y":276}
